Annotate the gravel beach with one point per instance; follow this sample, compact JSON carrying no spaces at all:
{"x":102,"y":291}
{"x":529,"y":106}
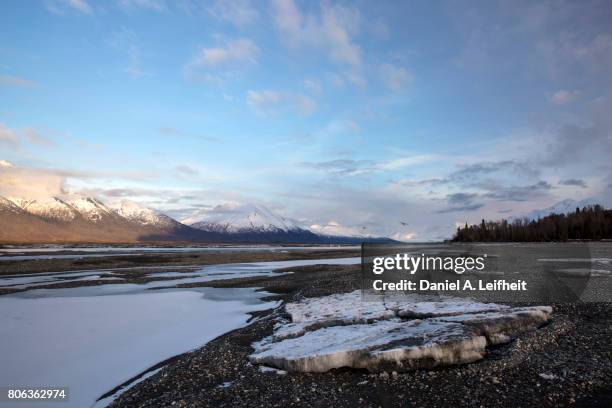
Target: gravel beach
{"x":568,"y":362}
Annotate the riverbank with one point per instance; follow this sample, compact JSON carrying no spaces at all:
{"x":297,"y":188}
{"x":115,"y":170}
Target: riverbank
{"x":565,"y":363}
{"x":161,"y":261}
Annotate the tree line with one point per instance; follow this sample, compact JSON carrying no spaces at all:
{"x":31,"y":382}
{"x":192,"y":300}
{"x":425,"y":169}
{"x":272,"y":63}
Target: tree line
{"x":589,"y":223}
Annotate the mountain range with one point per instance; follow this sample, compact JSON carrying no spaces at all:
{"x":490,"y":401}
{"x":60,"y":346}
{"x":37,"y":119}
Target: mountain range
{"x":80,"y":219}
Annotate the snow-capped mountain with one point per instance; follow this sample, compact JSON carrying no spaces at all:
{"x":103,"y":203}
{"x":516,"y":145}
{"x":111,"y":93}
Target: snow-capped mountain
{"x":140,"y":214}
{"x":241,"y":218}
{"x":49,"y":208}
{"x":71,"y":207}
{"x":256,"y":223}
{"x":76,"y":218}
{"x":65,"y":208}
{"x":562,"y":207}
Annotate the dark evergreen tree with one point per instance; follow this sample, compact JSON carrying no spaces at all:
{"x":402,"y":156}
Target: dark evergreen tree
{"x":592,"y":223}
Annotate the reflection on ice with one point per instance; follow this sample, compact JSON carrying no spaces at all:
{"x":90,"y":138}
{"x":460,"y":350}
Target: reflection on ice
{"x":94,"y":343}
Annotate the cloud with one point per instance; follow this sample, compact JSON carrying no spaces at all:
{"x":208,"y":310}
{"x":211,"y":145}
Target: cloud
{"x":173,"y":132}
{"x":16,"y":81}
{"x":35,"y":137}
{"x":270,"y":102}
{"x":125,"y":41}
{"x":341,"y":167}
{"x":573,"y":182}
{"x":59,"y":6}
{"x":461,"y":198}
{"x":5,"y":163}
{"x":313,"y":86}
{"x":8,"y":137}
{"x":404,"y":236}
{"x":515,"y":193}
{"x":214,"y":64}
{"x":563,"y":97}
{"x":462,"y":208}
{"x":184,"y":170}
{"x":235,"y":51}
{"x":395,"y":78}
{"x":402,"y":162}
{"x":334,"y":228}
{"x":350,"y":167}
{"x":332,"y":30}
{"x":30,"y":183}
{"x":12,"y":138}
{"x":238,"y":12}
{"x":155,"y":5}
{"x":507,"y":167}
{"x":461,"y":202}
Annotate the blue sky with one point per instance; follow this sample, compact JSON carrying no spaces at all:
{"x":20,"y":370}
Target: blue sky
{"x":346,"y":116}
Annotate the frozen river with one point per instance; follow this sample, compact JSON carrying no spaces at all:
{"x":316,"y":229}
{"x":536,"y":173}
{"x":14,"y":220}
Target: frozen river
{"x":66,"y":252}
{"x":91,"y":339}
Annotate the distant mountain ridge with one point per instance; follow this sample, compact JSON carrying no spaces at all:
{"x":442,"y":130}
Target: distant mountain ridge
{"x":562,"y":207}
{"x":80,"y":219}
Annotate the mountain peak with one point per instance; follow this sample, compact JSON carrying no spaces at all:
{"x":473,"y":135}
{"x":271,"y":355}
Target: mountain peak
{"x":240,"y":218}
{"x":141,"y":214}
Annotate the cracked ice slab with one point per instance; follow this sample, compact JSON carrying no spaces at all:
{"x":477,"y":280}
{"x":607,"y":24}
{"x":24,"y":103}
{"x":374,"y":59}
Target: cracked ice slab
{"x":386,"y":343}
{"x":335,"y":310}
{"x":342,"y":331}
{"x":501,"y":327}
{"x":446,"y":307}
{"x":348,"y":308}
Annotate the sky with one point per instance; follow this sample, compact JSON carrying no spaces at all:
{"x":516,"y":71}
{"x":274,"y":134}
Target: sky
{"x":394,"y":118}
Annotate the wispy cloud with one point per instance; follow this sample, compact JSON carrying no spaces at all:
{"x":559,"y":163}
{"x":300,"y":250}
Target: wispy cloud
{"x":563,"y":97}
{"x":155,"y":5}
{"x":16,"y":81}
{"x":395,"y":77}
{"x":13,"y":138}
{"x":35,"y":137}
{"x":60,"y":6}
{"x":350,"y":167}
{"x":173,"y":132}
{"x":332,"y":30}
{"x":238,"y":12}
{"x":574,"y":182}
{"x":270,"y":102}
{"x":184,"y":170}
{"x":8,"y":137}
{"x":126,"y":42}
{"x":213,"y":63}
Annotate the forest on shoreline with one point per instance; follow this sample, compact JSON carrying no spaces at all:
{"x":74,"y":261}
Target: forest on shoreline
{"x":589,"y":223}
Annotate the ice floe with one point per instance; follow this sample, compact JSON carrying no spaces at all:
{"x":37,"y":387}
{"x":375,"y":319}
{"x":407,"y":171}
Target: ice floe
{"x":419,"y":331}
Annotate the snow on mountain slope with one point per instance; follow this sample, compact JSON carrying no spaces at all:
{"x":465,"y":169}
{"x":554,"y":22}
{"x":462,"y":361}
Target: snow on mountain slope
{"x":140,"y":214}
{"x":89,"y":208}
{"x":49,"y":208}
{"x":240,"y":218}
{"x":9,"y":206}
{"x":72,"y":207}
{"x":562,"y":207}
